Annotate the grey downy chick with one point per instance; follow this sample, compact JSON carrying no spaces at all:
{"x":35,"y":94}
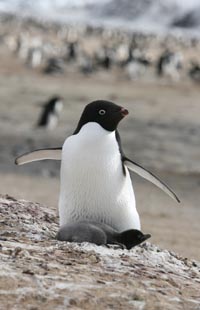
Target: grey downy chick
{"x":100,"y":234}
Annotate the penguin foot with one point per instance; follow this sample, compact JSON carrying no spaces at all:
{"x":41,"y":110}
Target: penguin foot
{"x":115,"y":246}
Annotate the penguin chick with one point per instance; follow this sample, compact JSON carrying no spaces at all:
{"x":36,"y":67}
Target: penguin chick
{"x":100,"y":234}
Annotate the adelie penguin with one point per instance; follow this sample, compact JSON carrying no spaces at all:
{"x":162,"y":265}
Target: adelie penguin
{"x":50,"y":113}
{"x":95,"y":183}
{"x":100,"y":234}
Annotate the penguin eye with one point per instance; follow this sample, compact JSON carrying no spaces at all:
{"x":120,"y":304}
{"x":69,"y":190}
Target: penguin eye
{"x":102,"y":112}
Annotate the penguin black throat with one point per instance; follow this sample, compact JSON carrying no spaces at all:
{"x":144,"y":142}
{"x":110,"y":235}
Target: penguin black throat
{"x":106,"y":113}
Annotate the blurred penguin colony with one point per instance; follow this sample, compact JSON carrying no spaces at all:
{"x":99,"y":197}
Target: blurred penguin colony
{"x":61,"y":49}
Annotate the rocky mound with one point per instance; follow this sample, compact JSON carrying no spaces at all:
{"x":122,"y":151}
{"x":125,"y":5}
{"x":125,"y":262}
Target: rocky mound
{"x":38,"y":272}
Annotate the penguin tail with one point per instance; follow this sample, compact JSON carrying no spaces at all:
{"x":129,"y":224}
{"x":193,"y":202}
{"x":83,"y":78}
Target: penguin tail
{"x":132,"y":237}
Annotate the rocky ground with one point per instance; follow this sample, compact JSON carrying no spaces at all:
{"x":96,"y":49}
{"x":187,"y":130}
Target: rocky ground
{"x":38,"y":272}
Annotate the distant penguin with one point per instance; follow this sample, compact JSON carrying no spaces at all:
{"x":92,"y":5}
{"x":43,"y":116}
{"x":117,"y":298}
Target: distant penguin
{"x":103,"y":58}
{"x":50,"y":113}
{"x":34,"y":58}
{"x":100,"y":234}
{"x":134,"y":69}
{"x":169,"y":65}
{"x":72,"y":51}
{"x":85,"y":64}
{"x":54,"y":66}
{"x":95,"y":183}
{"x":194,"y":72}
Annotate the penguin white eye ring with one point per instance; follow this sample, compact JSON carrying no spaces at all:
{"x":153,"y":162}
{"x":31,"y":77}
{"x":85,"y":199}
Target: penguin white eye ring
{"x":102,"y":112}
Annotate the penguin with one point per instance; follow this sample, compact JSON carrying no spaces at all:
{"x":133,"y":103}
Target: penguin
{"x":50,"y":113}
{"x":34,"y":57}
{"x":95,"y":183}
{"x":54,"y":66}
{"x":194,"y":72}
{"x":169,"y":65}
{"x":100,"y":234}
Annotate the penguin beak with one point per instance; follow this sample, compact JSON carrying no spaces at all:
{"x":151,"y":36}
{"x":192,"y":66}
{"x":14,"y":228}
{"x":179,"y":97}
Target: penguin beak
{"x":124,"y":112}
{"x":145,"y":237}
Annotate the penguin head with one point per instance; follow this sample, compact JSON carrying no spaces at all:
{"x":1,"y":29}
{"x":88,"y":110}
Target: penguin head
{"x":132,"y":237}
{"x":55,"y":103}
{"x":107,"y":114}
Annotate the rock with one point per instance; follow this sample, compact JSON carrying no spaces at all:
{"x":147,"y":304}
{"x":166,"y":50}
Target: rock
{"x":188,"y":20}
{"x":39,"y":272}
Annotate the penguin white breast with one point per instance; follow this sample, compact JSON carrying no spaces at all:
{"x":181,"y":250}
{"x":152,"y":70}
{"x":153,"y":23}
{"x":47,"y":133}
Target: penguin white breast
{"x":52,"y":121}
{"x":93,"y":185}
{"x":58,"y":107}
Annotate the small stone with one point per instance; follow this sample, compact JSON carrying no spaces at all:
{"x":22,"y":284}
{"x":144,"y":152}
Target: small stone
{"x":28,"y":271}
{"x":16,"y":251}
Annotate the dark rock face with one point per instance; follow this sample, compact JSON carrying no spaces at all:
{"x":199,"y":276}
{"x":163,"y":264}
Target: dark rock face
{"x":124,"y":9}
{"x":37,"y":271}
{"x":188,"y":20}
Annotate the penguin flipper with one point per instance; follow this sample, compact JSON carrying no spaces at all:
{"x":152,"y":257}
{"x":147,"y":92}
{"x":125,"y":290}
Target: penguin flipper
{"x":144,"y":173}
{"x":42,"y":154}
